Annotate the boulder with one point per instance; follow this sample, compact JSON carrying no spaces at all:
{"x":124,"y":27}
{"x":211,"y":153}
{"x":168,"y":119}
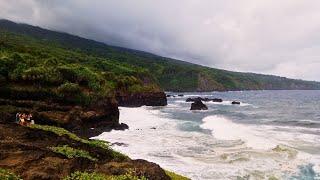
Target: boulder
{"x":198,"y":105}
{"x":217,"y":100}
{"x":142,"y":99}
{"x":180,"y":95}
{"x":235,"y":102}
{"x":198,"y":98}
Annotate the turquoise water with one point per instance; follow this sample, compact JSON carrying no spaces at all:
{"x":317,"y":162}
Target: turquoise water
{"x":272,"y":134}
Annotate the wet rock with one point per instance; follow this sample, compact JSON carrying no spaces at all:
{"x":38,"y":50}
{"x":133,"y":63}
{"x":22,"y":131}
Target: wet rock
{"x":198,"y":105}
{"x":236,"y":102}
{"x":121,"y":127}
{"x":141,"y":99}
{"x":198,"y":98}
{"x":120,"y":144}
{"x":217,"y":100}
{"x":180,"y":95}
{"x":153,"y":128}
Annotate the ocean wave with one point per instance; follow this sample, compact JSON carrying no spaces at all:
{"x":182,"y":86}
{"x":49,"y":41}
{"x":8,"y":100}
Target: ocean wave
{"x":225,"y":129}
{"x":303,"y":123}
{"x":231,"y":149}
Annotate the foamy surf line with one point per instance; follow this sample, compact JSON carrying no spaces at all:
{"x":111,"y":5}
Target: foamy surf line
{"x":200,"y":155}
{"x":224,"y":129}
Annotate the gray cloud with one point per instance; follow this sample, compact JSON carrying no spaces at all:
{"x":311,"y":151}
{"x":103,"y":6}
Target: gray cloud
{"x":265,"y":36}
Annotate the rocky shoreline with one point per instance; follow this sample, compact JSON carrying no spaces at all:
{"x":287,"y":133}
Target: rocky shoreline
{"x":28,"y":152}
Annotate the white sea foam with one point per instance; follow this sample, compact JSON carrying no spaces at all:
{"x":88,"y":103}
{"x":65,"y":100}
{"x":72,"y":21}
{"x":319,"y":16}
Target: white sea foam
{"x":228,"y":103}
{"x":231,"y":150}
{"x":225,"y":129}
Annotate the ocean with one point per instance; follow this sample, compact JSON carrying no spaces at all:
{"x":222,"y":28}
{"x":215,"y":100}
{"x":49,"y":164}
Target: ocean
{"x":271,"y":135}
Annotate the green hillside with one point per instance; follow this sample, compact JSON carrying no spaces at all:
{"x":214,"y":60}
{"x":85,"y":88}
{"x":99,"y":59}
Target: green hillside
{"x":51,"y":55}
{"x":42,"y":69}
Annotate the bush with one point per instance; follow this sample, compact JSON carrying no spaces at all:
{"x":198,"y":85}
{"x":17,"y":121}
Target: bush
{"x":175,"y":176}
{"x":70,"y":152}
{"x":92,"y":143}
{"x":6,"y":175}
{"x":3,"y":80}
{"x":42,"y":75}
{"x":68,"y":89}
{"x":96,"y":176}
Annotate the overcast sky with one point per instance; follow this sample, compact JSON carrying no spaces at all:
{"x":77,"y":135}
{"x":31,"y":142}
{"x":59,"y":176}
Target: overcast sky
{"x":280,"y":37}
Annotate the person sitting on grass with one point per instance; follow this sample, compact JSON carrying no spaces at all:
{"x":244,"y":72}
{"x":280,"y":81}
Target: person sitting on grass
{"x":29,"y":119}
{"x":22,"y":118}
{"x":17,"y":118}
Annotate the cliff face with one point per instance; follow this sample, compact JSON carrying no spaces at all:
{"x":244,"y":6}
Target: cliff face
{"x":102,"y":116}
{"x":88,"y":121}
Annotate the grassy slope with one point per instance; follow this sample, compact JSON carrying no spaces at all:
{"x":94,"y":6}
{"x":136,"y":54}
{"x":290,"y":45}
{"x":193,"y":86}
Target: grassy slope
{"x":171,"y":74}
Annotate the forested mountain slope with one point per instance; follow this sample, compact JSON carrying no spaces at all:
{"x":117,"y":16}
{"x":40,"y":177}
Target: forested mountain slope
{"x":170,"y":74}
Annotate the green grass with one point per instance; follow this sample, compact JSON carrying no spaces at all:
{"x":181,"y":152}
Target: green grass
{"x":7,"y":175}
{"x":93,"y":143}
{"x":70,"y":152}
{"x":97,"y":176}
{"x":175,"y":176}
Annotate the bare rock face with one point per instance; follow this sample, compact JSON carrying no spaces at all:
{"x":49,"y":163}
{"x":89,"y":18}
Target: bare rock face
{"x":101,"y":116}
{"x":142,"y":99}
{"x":198,"y":105}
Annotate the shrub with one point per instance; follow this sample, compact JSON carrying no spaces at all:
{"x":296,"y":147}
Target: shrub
{"x":85,"y":176}
{"x":96,"y":176}
{"x":6,"y":175}
{"x":175,"y":176}
{"x":3,"y":80}
{"x":42,"y":75}
{"x":92,"y":143}
{"x":69,"y":89}
{"x":70,"y":152}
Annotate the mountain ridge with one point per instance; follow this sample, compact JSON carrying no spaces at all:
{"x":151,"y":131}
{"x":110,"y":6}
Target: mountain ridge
{"x":171,"y":74}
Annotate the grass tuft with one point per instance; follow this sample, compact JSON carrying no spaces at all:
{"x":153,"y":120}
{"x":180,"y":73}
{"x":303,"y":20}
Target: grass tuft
{"x":175,"y":176}
{"x":96,"y":176}
{"x":70,"y":152}
{"x":93,"y":143}
{"x":7,"y":175}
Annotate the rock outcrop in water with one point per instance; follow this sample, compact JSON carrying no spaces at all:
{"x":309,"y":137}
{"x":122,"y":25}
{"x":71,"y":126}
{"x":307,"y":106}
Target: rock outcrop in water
{"x":203,"y":99}
{"x":198,"y":105}
{"x":141,"y":99}
{"x":236,"y":102}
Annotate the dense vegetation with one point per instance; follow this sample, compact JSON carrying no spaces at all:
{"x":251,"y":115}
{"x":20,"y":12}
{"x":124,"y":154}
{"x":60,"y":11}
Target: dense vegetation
{"x":53,"y":57}
{"x":31,"y":66}
{"x":7,"y":175}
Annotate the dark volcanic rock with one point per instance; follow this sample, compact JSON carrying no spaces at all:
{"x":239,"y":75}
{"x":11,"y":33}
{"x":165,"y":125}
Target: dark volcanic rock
{"x":180,"y":95}
{"x":102,"y":115}
{"x":198,"y":98}
{"x":25,"y":152}
{"x":122,"y":127}
{"x":141,"y":99}
{"x":217,"y":100}
{"x":198,"y":105}
{"x":190,"y":100}
{"x":235,"y":102}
